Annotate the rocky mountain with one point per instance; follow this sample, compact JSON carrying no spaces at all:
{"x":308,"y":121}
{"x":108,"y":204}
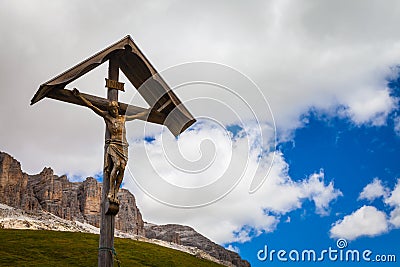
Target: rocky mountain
{"x":187,"y":236}
{"x":76,"y":201}
{"x":80,"y":202}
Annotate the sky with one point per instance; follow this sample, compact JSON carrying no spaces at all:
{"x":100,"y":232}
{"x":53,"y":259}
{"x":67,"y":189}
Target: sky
{"x":297,"y":102}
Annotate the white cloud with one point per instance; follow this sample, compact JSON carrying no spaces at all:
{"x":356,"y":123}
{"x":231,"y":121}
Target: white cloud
{"x":239,"y":216}
{"x":322,"y":195}
{"x":395,"y":217}
{"x":394,"y":201}
{"x":373,"y":190}
{"x":370,"y":106}
{"x":366,"y":221}
{"x":394,"y":198}
{"x":233,"y":248}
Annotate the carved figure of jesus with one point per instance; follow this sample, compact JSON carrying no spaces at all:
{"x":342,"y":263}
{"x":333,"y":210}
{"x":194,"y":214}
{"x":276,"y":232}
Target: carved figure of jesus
{"x":116,"y":156}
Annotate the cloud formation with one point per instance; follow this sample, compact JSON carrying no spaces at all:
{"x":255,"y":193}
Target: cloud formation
{"x":368,"y":220}
{"x":238,"y":216}
{"x":373,"y":190}
{"x":394,"y":201}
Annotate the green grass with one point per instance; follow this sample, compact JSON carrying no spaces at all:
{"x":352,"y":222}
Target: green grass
{"x":51,"y":248}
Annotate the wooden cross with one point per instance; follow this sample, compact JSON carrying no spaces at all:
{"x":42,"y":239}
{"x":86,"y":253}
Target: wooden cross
{"x":165,"y":108}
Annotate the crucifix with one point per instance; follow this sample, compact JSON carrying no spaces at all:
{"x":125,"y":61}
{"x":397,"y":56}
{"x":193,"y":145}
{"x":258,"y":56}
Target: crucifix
{"x":165,"y":109}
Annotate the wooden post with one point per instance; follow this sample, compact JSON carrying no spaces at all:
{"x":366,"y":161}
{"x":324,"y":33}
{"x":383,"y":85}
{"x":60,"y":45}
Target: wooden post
{"x":107,"y":221}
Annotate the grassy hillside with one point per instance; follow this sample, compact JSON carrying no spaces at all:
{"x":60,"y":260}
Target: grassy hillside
{"x":50,"y":248}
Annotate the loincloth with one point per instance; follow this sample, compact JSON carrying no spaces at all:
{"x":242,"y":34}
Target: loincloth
{"x":116,"y":151}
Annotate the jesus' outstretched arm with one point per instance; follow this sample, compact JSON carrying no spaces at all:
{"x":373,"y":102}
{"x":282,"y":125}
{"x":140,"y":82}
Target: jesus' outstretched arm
{"x":141,"y":116}
{"x":88,"y":103}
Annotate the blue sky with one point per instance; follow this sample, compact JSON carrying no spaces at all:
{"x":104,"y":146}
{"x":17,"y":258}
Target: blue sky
{"x":324,"y":73}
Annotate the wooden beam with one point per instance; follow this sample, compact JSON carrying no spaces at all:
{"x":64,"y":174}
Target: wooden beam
{"x":107,"y":221}
{"x":66,"y":95}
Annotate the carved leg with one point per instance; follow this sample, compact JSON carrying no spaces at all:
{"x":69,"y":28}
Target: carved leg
{"x":119,"y":179}
{"x":113,"y":174}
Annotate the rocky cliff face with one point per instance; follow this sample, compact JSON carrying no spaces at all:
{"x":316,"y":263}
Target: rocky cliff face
{"x":13,"y":182}
{"x":68,"y":200}
{"x":187,"y":236}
